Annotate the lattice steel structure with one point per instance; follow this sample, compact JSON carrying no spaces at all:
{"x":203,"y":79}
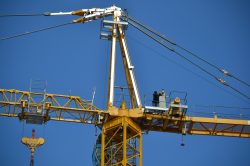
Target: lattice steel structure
{"x":122,"y":128}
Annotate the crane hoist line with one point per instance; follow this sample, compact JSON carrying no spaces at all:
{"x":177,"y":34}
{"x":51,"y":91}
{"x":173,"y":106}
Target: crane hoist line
{"x":93,"y":14}
{"x":121,"y":126}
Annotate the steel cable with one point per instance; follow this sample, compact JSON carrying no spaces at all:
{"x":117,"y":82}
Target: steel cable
{"x":197,"y":57}
{"x":172,"y":42}
{"x":192,"y":71}
{"x":162,"y":43}
{"x":240,"y":80}
{"x":36,"y":31}
{"x":213,"y":66}
{"x":195,"y":64}
{"x":239,"y":92}
{"x":21,"y":15}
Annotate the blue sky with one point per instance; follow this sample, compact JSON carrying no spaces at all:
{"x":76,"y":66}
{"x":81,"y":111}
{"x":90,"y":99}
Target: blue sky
{"x":73,"y":57}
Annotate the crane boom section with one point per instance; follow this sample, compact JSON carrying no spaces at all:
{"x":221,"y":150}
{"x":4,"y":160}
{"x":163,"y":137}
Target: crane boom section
{"x":58,"y":107}
{"x":14,"y":103}
{"x":88,"y":14}
{"x":196,"y":125}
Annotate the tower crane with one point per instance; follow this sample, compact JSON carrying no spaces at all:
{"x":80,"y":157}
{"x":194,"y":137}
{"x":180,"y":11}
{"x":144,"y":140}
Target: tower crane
{"x":122,"y":127}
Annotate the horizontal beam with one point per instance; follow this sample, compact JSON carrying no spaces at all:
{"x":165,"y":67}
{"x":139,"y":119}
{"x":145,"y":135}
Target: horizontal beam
{"x":14,"y":103}
{"x":206,"y":126}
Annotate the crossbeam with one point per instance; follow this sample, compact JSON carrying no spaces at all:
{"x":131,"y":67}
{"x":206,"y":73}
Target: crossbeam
{"x":14,"y":103}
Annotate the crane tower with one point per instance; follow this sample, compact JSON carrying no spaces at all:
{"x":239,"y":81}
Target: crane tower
{"x":120,"y":141}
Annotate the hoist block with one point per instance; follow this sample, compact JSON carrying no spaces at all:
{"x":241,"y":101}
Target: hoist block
{"x":32,"y":142}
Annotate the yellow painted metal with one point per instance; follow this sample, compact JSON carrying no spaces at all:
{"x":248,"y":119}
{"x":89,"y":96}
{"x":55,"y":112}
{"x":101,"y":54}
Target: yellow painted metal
{"x":175,"y":110}
{"x":119,"y":125}
{"x":140,"y":149}
{"x":124,"y":142}
{"x":82,"y":13}
{"x":198,"y":125}
{"x":32,"y":143}
{"x":58,"y":107}
{"x":116,"y":136}
{"x":73,"y":109}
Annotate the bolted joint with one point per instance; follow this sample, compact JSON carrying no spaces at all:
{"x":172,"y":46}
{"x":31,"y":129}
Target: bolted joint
{"x":223,"y":82}
{"x":225,"y":72}
{"x":47,"y":14}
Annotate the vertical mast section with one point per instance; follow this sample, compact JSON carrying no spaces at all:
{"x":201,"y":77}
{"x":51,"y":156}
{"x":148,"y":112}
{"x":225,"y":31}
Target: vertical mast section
{"x":133,"y":90}
{"x":112,"y":63}
{"x":120,"y":138}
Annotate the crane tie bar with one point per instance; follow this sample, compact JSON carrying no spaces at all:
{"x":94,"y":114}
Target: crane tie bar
{"x":165,"y":45}
{"x":36,"y":31}
{"x":172,"y":42}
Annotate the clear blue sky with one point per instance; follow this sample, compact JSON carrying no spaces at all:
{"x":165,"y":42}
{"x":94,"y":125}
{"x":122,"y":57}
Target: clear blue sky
{"x":73,"y":57}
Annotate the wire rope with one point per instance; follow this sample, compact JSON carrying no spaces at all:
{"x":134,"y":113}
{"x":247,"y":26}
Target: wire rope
{"x":223,"y":71}
{"x":195,"y":64}
{"x":36,"y":31}
{"x":171,"y":49}
{"x":188,"y":70}
{"x":23,"y":129}
{"x":172,"y":42}
{"x":43,"y":130}
{"x":240,"y":80}
{"x":21,"y":15}
{"x":239,"y":92}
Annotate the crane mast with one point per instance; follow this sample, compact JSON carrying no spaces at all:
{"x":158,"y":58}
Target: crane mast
{"x":120,"y":126}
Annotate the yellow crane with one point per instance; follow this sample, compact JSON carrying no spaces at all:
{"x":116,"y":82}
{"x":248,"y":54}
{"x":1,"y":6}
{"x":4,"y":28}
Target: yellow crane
{"x":32,"y":143}
{"x":120,"y":125}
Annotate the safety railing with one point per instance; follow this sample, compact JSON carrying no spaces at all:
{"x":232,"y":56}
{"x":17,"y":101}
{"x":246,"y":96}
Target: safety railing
{"x":154,"y":106}
{"x":123,"y":95}
{"x":183,"y":96}
{"x":221,"y":112}
{"x":148,"y":102}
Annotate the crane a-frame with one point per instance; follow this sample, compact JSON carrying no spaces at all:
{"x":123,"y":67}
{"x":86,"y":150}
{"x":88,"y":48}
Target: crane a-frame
{"x":120,"y":125}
